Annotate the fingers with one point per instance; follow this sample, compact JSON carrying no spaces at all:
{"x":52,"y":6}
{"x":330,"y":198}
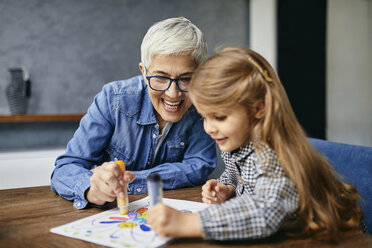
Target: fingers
{"x":105,"y":183}
{"x":109,"y":176}
{"x":208,"y":192}
{"x":165,"y":220}
{"x":209,"y":187}
{"x":95,"y":196}
{"x":215,"y":192}
{"x":101,"y":190}
{"x":157,"y":218}
{"x":154,"y":212}
{"x":208,"y":198}
{"x":128,"y":177}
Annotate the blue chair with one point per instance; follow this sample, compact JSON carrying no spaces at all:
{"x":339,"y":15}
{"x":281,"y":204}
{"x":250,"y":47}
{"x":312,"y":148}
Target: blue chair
{"x":354,"y":163}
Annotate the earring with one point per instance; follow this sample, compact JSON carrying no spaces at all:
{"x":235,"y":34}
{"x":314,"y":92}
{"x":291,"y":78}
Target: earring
{"x":259,"y":115}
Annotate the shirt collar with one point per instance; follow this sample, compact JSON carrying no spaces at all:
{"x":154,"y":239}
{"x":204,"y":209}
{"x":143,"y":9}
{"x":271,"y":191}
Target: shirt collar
{"x":240,"y":153}
{"x":147,"y":115}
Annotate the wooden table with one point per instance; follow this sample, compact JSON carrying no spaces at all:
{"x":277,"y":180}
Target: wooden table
{"x":27,"y":214}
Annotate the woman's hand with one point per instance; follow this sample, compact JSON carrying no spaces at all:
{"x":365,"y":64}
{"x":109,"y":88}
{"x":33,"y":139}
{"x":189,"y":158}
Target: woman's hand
{"x":168,"y":222}
{"x":107,"y":182}
{"x":215,"y":192}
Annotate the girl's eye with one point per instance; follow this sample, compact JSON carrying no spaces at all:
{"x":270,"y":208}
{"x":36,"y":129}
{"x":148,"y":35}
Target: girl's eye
{"x":220,"y":118}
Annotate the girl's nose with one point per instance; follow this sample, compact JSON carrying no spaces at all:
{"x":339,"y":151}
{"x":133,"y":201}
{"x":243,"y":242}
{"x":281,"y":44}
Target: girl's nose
{"x":209,"y":127}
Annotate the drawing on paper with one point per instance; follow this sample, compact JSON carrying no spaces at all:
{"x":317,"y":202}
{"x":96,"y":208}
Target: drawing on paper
{"x":110,"y":228}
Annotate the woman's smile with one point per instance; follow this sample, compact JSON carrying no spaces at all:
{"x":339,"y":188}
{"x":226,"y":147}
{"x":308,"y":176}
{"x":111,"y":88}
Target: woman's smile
{"x":172,"y":106}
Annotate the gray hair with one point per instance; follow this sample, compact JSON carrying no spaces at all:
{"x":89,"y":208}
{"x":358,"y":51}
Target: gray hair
{"x":176,"y":36}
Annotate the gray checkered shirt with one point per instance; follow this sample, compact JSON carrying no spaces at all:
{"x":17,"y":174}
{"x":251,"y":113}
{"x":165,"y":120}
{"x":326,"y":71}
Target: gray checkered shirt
{"x":265,"y":197}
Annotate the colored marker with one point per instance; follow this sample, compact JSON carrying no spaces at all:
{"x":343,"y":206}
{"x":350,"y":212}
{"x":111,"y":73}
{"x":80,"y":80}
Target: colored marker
{"x":123,"y":202}
{"x":155,"y":189}
{"x":111,"y":222}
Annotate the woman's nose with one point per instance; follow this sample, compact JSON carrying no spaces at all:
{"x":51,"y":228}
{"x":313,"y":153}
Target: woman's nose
{"x":173,"y":90}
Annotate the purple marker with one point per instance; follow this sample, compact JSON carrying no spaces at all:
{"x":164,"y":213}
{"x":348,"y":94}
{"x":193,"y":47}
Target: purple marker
{"x":155,"y":189}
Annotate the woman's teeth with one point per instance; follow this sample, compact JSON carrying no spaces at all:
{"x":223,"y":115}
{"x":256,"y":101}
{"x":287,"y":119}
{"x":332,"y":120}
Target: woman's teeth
{"x":171,"y":105}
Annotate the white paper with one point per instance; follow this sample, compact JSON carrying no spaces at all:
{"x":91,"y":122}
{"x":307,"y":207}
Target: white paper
{"x":112,"y":229}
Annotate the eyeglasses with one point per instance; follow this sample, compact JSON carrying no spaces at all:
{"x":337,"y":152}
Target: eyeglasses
{"x":160,"y":83}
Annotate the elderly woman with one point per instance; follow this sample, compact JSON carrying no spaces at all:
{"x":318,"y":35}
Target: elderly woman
{"x":147,"y":121}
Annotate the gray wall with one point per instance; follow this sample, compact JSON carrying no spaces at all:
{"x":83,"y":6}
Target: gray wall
{"x":72,"y":48}
{"x":35,"y":135}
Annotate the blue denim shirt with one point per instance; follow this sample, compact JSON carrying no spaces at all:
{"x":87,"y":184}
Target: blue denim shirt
{"x":121,"y":124}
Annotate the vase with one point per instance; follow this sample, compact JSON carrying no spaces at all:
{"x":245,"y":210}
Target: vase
{"x":18,"y":90}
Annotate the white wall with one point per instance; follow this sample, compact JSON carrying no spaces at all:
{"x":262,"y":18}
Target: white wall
{"x":262,"y":28}
{"x":27,"y":168}
{"x":349,"y":71}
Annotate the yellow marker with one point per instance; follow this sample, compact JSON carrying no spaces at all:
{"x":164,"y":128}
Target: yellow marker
{"x":123,"y":202}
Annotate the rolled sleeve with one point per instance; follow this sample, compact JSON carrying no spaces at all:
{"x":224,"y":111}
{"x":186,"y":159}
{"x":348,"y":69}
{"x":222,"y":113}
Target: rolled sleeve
{"x":79,"y":191}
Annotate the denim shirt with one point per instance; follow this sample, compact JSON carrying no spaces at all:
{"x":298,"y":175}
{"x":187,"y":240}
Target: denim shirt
{"x":121,"y":124}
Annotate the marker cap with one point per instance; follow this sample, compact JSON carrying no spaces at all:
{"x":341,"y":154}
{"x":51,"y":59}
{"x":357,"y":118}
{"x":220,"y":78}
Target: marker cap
{"x":155,"y":188}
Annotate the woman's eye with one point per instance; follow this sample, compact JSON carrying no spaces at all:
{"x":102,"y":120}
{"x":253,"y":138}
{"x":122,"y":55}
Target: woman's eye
{"x":185,"y":80}
{"x":160,"y":79}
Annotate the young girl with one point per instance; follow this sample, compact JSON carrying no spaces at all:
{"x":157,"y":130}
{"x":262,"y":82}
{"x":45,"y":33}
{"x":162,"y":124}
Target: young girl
{"x":273,"y":179}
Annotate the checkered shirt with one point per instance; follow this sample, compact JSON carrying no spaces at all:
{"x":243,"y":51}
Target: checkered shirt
{"x":265,"y":197}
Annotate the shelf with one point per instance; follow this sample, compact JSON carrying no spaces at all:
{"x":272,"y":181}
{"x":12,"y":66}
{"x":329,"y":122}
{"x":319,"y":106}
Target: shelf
{"x":40,"y":118}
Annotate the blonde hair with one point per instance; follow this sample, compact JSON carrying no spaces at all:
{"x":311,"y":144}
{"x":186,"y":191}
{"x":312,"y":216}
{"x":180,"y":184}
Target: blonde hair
{"x":240,"y":76}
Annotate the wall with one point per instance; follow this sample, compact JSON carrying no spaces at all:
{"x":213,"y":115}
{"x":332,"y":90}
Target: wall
{"x":35,"y":135}
{"x":27,"y":168}
{"x":348,"y":91}
{"x":349,"y":75}
{"x":72,"y":48}
{"x":263,"y":30}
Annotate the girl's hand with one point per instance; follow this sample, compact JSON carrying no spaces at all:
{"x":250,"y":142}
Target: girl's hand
{"x":168,"y":222}
{"x":106,"y":183}
{"x":215,"y":192}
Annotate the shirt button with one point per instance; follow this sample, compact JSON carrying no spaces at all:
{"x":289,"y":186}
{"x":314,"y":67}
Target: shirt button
{"x":240,"y":179}
{"x":149,"y":163}
{"x":79,"y":204}
{"x":154,"y":136}
{"x":156,"y":126}
{"x":138,"y":190}
{"x":182,"y":143}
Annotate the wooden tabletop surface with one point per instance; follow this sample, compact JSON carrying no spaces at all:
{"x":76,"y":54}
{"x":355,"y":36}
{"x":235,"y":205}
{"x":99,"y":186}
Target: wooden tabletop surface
{"x":27,"y":214}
